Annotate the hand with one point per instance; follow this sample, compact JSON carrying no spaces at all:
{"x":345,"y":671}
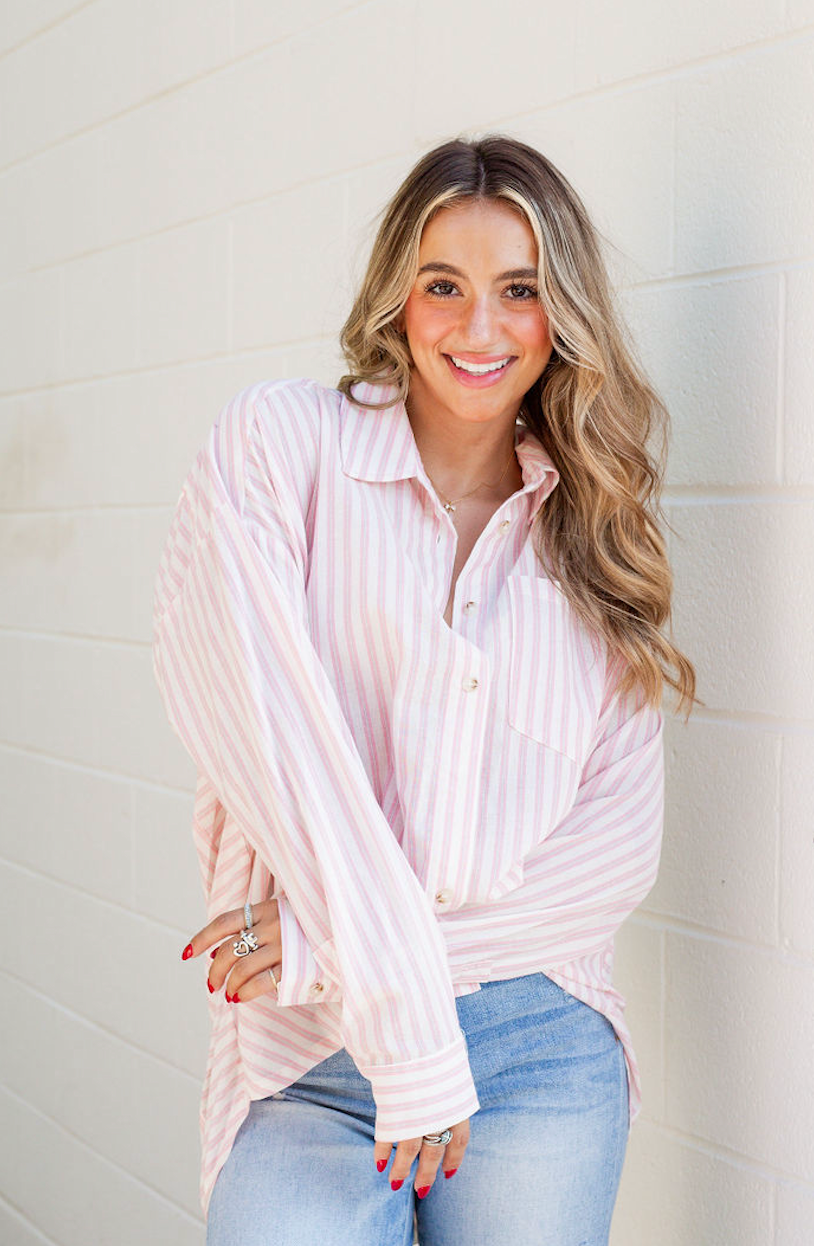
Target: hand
{"x":430,"y":1157}
{"x":245,"y":977}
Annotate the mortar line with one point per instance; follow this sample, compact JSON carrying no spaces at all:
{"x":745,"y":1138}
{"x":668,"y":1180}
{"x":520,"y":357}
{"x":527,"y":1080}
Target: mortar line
{"x":119,"y":909}
{"x":780,"y":412}
{"x":114,"y":1035}
{"x":44,"y":30}
{"x":778,"y":850}
{"x":19,"y":1214}
{"x":184,"y":84}
{"x":86,"y":1146}
{"x":736,"y":1159}
{"x":789,"y":957}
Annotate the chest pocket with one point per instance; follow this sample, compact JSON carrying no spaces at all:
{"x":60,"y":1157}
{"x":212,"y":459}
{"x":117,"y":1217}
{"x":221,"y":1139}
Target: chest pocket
{"x":556,"y":669}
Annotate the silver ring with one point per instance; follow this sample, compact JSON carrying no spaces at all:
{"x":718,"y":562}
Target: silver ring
{"x":274,"y":980}
{"x":248,"y":915}
{"x":439,"y":1139}
{"x":245,"y":944}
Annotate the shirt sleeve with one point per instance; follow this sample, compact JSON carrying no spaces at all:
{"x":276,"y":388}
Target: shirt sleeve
{"x":300,"y":969}
{"x":602,"y":858}
{"x":246,"y":693}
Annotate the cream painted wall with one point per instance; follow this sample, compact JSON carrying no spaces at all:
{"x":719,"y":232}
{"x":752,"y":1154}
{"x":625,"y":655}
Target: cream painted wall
{"x":188,"y":190}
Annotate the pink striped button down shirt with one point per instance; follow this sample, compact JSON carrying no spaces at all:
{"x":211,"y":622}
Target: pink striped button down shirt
{"x":432,"y":806}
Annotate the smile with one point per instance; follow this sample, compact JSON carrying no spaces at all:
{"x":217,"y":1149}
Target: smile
{"x":479,"y":375}
{"x":477,"y":369}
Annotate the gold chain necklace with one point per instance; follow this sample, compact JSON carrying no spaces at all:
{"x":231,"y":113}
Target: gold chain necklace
{"x":449,"y":505}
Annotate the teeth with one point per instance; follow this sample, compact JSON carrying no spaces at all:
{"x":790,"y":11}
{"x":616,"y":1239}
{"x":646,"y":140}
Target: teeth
{"x":479,"y":369}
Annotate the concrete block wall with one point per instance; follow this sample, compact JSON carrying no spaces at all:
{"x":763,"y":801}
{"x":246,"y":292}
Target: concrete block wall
{"x":188,"y":190}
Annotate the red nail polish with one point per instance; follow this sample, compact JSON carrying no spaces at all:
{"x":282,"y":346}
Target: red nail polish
{"x":235,"y":999}
{"x":187,"y":952}
{"x":209,"y":984}
{"x":396,"y":1185}
{"x":450,"y":1172}
{"x":423,"y":1191}
{"x":228,"y":997}
{"x":381,"y":1164}
{"x":213,"y":953}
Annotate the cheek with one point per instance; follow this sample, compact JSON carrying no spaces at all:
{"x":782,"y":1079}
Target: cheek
{"x":426,"y":324}
{"x":534,"y":333}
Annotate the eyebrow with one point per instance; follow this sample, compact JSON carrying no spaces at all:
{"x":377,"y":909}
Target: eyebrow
{"x":436,"y":266}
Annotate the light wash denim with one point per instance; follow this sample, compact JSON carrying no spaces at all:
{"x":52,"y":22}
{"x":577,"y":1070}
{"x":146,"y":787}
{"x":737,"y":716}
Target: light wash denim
{"x":542,"y":1167}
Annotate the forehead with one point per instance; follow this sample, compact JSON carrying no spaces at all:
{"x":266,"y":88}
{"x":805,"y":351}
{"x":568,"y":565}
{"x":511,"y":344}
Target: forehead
{"x":487,"y":225}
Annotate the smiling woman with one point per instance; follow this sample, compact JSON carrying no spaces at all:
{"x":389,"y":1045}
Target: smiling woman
{"x":470,"y":219}
{"x":410,"y":630}
{"x":474,"y":319}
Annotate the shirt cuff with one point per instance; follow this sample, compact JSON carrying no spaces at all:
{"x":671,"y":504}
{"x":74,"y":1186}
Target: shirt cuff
{"x":303,"y":980}
{"x":427,"y":1095}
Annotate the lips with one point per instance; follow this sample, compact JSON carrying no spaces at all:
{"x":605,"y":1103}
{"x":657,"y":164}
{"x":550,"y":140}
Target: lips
{"x":479,"y":380}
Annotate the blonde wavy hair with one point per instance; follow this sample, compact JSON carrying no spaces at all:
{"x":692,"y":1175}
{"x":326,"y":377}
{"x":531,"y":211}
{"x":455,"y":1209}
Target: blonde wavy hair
{"x":598,"y":534}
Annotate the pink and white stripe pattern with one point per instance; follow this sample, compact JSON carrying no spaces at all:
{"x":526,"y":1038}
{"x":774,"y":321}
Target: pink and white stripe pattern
{"x":432,"y":806}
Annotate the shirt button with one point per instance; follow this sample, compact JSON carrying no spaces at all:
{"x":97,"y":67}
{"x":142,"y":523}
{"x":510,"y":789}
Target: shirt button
{"x":469,"y":607}
{"x":469,"y":684}
{"x":442,"y":897}
{"x":504,"y":527}
{"x":317,"y":987}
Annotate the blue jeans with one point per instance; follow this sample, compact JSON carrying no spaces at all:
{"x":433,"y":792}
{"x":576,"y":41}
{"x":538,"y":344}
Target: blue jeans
{"x":542,"y":1166}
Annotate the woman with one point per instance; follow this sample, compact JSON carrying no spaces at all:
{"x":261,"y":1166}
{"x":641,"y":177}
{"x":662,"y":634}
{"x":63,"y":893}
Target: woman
{"x":409,"y":629}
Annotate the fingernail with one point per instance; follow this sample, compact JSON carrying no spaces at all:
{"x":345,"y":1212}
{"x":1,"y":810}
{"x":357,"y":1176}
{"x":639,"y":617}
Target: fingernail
{"x":213,"y":953}
{"x":423,"y":1191}
{"x":228,"y":997}
{"x":235,"y":999}
{"x":381,"y":1164}
{"x":450,"y":1172}
{"x":209,"y":984}
{"x":187,"y":952}
{"x":396,"y":1185}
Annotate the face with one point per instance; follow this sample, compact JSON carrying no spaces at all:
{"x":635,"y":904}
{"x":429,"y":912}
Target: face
{"x":475,"y":301}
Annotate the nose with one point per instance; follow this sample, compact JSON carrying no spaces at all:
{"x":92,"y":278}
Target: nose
{"x":480,"y":320}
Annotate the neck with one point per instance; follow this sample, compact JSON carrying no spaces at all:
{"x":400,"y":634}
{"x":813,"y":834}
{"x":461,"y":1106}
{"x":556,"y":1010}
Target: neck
{"x":460,"y":454}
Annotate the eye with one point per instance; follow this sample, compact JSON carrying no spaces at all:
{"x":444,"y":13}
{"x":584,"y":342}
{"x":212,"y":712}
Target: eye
{"x":530,"y":291}
{"x":444,"y":289}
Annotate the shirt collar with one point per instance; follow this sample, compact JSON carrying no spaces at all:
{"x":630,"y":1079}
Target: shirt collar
{"x":379,"y":445}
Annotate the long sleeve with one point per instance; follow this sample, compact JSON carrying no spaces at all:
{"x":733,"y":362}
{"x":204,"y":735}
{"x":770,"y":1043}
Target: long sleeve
{"x":245,"y":692}
{"x":602,"y":858}
{"x":300,"y":969}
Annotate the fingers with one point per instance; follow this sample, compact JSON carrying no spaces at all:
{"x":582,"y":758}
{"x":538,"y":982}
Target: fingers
{"x":430,"y":1158}
{"x":236,"y":972}
{"x":381,"y":1154}
{"x":406,"y":1152}
{"x":245,"y":977}
{"x":225,"y":924}
{"x":456,"y":1148}
{"x":250,"y":975}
